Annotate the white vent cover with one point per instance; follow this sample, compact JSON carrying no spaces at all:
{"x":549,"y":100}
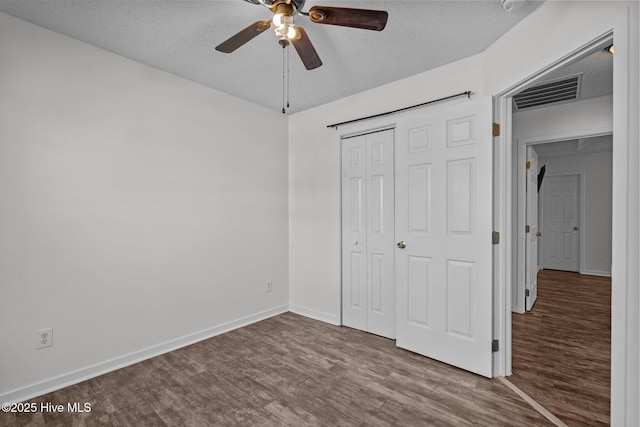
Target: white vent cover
{"x":557,"y":91}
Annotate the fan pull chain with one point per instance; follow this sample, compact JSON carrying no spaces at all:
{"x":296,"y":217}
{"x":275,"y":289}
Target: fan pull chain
{"x":283,"y":80}
{"x":288,"y":76}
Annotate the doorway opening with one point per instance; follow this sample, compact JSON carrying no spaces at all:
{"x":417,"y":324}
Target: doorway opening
{"x":564,"y":198}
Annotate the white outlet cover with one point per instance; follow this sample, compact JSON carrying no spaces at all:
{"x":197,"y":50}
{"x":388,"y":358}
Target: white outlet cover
{"x":44,"y":338}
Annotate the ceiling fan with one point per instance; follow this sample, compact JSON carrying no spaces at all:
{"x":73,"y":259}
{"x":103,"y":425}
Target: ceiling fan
{"x":284,"y":12}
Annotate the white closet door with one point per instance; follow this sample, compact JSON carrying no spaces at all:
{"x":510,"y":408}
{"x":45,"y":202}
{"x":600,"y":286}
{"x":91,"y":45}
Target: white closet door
{"x":381,"y":298}
{"x":368,"y":291}
{"x":354,"y":233}
{"x":444,"y":221}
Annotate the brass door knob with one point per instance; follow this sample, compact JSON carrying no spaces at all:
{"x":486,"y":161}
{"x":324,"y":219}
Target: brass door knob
{"x":575,"y":228}
{"x":401,"y":244}
{"x":538,"y":233}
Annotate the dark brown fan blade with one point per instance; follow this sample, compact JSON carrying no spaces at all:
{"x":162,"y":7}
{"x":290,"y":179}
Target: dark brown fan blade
{"x":243,"y":36}
{"x":356,"y":18}
{"x":305,"y":49}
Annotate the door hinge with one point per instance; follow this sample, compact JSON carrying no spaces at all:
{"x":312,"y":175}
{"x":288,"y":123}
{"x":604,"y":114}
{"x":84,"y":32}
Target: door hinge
{"x":495,"y":237}
{"x":527,"y":292}
{"x":528,"y":165}
{"x":527,"y":229}
{"x":495,"y":345}
{"x":496,"y":129}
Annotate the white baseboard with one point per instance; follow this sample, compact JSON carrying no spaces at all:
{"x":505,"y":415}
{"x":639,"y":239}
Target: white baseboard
{"x":596,"y":273}
{"x":75,"y":377}
{"x":315,"y":314}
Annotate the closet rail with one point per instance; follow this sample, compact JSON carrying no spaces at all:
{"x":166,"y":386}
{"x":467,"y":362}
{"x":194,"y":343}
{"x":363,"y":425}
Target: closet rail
{"x":467,"y":93}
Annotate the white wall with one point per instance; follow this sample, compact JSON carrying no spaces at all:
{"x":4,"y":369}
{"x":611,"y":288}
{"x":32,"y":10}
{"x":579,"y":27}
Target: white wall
{"x":596,"y":216}
{"x":138,"y":211}
{"x":591,"y":116}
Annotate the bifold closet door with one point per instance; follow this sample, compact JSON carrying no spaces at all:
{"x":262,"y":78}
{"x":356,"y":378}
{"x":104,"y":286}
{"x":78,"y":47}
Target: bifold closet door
{"x":368,"y":291}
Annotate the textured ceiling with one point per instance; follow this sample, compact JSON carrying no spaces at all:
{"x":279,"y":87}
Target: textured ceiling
{"x":179,"y":36}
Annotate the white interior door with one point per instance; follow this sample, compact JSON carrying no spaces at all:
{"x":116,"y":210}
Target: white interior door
{"x":532,"y":233}
{"x":381,"y":297}
{"x":444,"y":228}
{"x":368,"y":280}
{"x":561,"y":216}
{"x":354,"y":234}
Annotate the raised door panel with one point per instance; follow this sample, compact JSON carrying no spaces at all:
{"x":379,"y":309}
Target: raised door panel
{"x":460,"y":196}
{"x":460,"y":289}
{"x":418,"y":299}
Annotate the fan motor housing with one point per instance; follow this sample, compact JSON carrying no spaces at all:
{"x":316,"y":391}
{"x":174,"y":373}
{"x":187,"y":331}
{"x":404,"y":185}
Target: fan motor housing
{"x":297,"y":4}
{"x":284,"y":9}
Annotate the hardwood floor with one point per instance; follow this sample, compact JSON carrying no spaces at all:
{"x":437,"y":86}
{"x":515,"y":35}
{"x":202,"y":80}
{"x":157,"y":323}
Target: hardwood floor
{"x":288,"y":370}
{"x":562,"y":348}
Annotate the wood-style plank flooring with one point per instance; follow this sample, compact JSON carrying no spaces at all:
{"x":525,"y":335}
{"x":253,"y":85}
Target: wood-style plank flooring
{"x":562,"y":348}
{"x":294,"y":371}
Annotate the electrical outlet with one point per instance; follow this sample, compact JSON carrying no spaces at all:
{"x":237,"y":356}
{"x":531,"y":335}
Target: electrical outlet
{"x":269,"y":286}
{"x":45,"y":338}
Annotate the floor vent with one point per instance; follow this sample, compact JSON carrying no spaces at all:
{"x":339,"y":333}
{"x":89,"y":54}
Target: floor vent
{"x":566,"y":89}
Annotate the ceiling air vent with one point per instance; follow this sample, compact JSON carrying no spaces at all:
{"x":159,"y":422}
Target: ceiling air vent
{"x":566,"y":89}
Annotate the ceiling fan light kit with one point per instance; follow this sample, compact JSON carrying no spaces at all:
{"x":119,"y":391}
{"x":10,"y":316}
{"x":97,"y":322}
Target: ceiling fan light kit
{"x":284,"y":12}
{"x":283,"y":23}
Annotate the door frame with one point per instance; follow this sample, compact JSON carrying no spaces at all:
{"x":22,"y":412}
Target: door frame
{"x":505,"y":207}
{"x":624,"y":317}
{"x":581,"y":209}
